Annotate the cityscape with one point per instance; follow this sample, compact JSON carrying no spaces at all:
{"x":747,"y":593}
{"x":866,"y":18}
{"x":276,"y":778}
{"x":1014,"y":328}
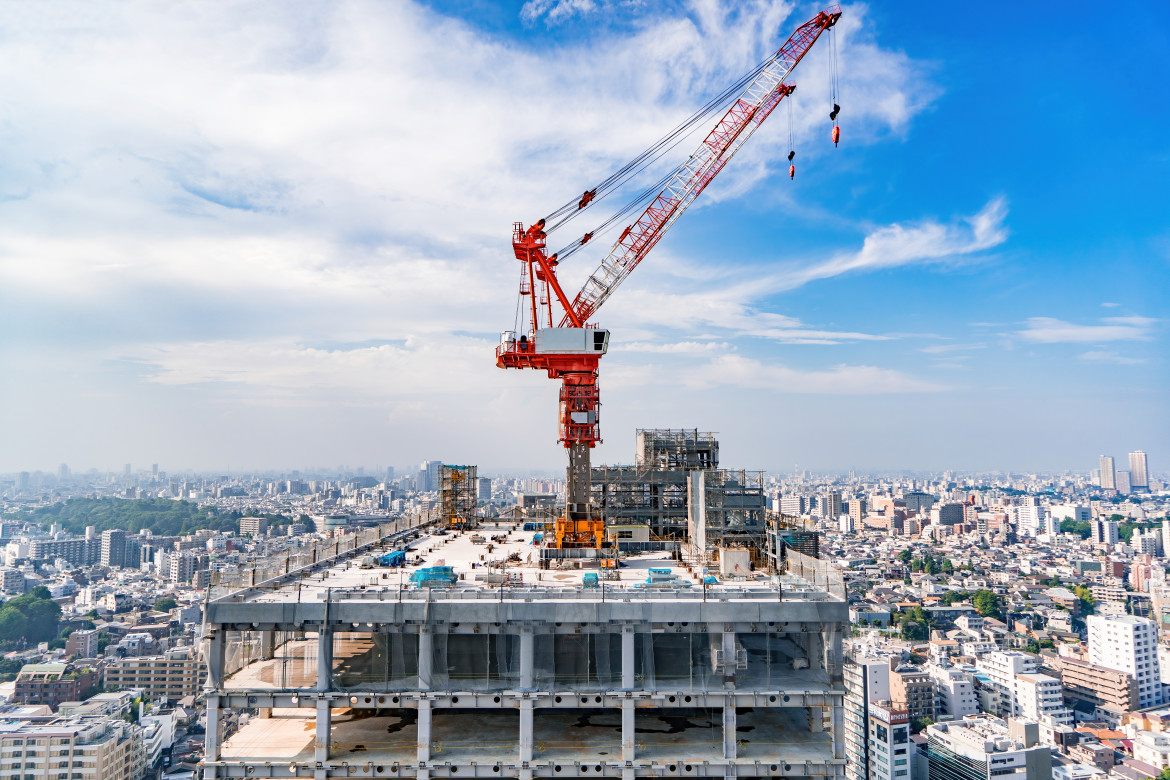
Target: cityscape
{"x":855,"y":459}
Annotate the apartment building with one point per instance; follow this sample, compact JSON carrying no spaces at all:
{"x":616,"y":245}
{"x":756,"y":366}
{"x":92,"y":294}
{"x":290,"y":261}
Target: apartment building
{"x":1038,"y":695}
{"x":86,"y":748}
{"x":1108,"y":689}
{"x":983,"y":748}
{"x":1001,"y":669}
{"x":867,"y":679}
{"x":52,"y":684}
{"x":889,"y":741}
{"x":912,"y":688}
{"x":173,"y":675}
{"x":1129,"y":644}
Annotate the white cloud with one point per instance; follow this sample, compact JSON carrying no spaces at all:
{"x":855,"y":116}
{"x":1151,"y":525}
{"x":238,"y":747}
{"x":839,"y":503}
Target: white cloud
{"x":840,"y":380}
{"x":1048,"y":330}
{"x":919,"y":243}
{"x":1109,"y":356}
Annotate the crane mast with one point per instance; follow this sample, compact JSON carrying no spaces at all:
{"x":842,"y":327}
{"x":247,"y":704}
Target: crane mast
{"x":568,"y":347}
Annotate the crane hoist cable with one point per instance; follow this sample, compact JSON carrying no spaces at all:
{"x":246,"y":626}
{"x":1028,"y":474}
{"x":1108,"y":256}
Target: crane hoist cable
{"x":791,"y":143}
{"x":834,"y":86}
{"x":650,"y":155}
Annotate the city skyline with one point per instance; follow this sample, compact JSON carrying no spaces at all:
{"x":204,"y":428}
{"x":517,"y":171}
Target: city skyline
{"x":271,"y":235}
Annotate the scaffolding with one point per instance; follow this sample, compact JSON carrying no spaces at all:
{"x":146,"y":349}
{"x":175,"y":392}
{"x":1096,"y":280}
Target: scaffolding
{"x":458,"y":497}
{"x":676,"y":449}
{"x":726,"y":509}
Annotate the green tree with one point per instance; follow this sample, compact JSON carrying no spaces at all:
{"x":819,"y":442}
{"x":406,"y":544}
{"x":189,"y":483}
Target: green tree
{"x":165,"y":604}
{"x":986,"y":603}
{"x":905,"y":556}
{"x":13,"y":625}
{"x":947,"y":566}
{"x":1088,"y":600}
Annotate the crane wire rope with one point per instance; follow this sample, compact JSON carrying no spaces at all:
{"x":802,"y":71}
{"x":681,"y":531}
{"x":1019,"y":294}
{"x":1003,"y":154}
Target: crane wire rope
{"x":654,"y":152}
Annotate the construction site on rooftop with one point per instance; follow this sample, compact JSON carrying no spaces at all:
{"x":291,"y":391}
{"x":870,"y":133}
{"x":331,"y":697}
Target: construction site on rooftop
{"x":695,"y":639}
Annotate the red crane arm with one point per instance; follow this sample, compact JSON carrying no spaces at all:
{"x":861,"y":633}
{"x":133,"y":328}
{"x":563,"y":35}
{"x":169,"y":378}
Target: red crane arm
{"x":733,"y":130}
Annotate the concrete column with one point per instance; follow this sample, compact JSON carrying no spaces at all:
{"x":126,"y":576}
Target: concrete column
{"x":729,"y":657}
{"x":211,"y":738}
{"x":527,"y":660}
{"x":839,"y":731}
{"x":833,"y":656}
{"x":426,"y":658}
{"x":628,"y":748}
{"x":215,"y":645}
{"x":324,"y":724}
{"x":424,"y":731}
{"x":267,"y":643}
{"x":628,"y":658}
{"x":324,"y":659}
{"x":526,"y":740}
{"x":729,"y":745}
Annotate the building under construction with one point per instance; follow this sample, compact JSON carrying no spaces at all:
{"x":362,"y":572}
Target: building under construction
{"x":676,"y":493}
{"x":464,"y":658}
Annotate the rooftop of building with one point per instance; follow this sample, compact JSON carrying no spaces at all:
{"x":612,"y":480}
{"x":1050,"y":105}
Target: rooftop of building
{"x":499,"y":556}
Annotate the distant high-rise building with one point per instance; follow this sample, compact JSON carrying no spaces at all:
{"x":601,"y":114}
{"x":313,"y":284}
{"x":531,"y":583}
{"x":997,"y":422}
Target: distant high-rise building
{"x":22,"y":481}
{"x":484,"y":489}
{"x":1122,"y":482}
{"x":1108,"y":479}
{"x":857,"y":511}
{"x":429,"y":475}
{"x":154,"y":471}
{"x":113,"y":548}
{"x":1139,"y":475}
{"x":63,"y":471}
{"x":126,"y":470}
{"x":1129,"y":644}
{"x":389,"y":473}
{"x":831,"y":505}
{"x":1104,"y":532}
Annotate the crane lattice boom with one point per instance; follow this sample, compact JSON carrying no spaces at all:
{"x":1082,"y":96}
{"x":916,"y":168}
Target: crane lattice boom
{"x":724,"y":140}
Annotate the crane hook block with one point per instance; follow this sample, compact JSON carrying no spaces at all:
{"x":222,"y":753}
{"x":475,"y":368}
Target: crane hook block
{"x":792,"y":171}
{"x":791,"y":155}
{"x":585,"y":238}
{"x":836,"y":110}
{"x":587,"y":198}
{"x":836,"y":134}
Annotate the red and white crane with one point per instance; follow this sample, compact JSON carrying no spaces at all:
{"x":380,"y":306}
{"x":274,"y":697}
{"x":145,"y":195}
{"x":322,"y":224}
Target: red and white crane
{"x":560,"y":338}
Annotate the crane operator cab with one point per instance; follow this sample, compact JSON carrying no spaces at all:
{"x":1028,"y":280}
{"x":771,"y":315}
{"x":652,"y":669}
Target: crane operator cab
{"x":559,"y":341}
{"x":570,"y":341}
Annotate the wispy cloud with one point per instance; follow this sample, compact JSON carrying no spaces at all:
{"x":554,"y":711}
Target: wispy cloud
{"x":1049,"y":330}
{"x":739,"y":371}
{"x":1109,"y":356}
{"x":910,"y":244}
{"x":944,"y":349}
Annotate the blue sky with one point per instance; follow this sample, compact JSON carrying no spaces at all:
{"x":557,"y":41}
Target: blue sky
{"x":277,"y":234}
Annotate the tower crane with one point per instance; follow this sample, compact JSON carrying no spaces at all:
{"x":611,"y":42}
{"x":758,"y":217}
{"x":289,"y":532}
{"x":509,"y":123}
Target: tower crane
{"x":561,"y":339}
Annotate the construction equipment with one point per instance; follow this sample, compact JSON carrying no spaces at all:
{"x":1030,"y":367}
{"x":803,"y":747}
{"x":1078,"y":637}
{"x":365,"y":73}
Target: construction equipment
{"x":564,"y":342}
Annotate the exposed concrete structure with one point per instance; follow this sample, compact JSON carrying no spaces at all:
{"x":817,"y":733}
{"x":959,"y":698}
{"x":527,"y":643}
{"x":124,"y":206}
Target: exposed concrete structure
{"x":517,"y":671}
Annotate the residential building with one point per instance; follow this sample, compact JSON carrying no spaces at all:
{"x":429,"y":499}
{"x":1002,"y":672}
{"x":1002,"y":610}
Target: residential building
{"x":253,"y":526}
{"x":1111,"y":689}
{"x":984,"y":748}
{"x":1105,"y":532}
{"x":113,"y":548}
{"x":1001,"y":668}
{"x":1139,"y":475}
{"x":889,"y":742}
{"x":1038,"y":695}
{"x":77,"y":748}
{"x":1129,"y":644}
{"x":912,"y":688}
{"x":954,"y":692}
{"x":174,"y":674}
{"x":867,"y":679}
{"x":82,"y":643}
{"x":53,"y":683}
{"x":1152,"y":748}
{"x":1108,"y":473}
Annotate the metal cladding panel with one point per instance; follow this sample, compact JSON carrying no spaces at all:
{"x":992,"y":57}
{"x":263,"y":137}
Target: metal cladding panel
{"x":563,"y":340}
